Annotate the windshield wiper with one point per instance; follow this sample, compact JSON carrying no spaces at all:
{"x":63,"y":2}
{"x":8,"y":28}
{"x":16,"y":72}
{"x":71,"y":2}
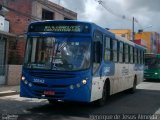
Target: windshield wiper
{"x":57,"y":48}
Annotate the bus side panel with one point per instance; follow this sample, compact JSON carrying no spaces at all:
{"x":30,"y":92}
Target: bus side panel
{"x":98,"y":80}
{"x":97,"y":88}
{"x":122,"y":79}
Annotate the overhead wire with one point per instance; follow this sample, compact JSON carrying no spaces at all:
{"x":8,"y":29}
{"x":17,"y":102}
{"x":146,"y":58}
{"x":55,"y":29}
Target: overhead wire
{"x":116,"y":14}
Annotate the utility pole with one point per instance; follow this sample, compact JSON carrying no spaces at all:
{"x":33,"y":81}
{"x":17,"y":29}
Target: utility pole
{"x":59,"y":2}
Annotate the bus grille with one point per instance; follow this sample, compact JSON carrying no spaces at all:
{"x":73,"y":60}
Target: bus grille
{"x":51,"y":75}
{"x":50,"y":86}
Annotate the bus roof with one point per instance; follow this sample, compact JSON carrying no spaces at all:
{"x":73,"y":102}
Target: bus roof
{"x":93,"y":27}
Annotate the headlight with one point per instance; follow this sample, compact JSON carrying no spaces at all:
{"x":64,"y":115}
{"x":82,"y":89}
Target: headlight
{"x":23,"y":78}
{"x":84,"y":82}
{"x":156,"y":73}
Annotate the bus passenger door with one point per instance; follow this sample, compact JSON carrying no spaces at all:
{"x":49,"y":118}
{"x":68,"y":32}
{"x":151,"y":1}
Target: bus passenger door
{"x":97,"y":83}
{"x":97,"y":53}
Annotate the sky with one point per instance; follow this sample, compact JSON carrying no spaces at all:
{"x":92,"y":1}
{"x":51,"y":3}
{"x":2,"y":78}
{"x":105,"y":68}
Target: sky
{"x":117,"y":14}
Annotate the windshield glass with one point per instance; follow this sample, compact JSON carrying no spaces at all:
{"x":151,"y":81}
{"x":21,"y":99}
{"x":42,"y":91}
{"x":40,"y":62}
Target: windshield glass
{"x":64,"y":54}
{"x":152,"y":63}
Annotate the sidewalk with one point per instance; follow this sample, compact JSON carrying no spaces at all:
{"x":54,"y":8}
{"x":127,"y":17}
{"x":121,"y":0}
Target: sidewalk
{"x":8,"y":90}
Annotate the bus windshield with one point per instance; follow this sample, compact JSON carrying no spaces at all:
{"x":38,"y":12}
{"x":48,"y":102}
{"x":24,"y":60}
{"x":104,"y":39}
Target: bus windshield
{"x":152,"y":63}
{"x":63,"y":54}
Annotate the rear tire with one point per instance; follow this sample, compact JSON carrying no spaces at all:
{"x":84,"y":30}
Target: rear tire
{"x":133,"y":89}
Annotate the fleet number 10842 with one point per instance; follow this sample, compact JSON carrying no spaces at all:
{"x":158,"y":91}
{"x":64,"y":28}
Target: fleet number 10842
{"x":38,"y":80}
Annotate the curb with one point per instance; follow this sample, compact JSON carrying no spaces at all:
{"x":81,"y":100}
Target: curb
{"x":7,"y":93}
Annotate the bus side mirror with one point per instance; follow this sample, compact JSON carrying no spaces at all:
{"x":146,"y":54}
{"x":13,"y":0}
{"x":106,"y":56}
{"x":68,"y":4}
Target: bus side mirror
{"x":97,"y":52}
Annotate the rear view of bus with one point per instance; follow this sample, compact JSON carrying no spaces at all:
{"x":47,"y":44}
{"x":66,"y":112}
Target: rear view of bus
{"x":152,"y":66}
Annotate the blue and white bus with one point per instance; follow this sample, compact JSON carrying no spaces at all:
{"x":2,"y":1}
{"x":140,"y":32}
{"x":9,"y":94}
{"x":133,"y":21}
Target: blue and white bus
{"x":78,"y":61}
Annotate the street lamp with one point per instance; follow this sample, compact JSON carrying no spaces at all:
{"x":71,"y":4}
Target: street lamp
{"x":133,"y":33}
{"x":141,"y":30}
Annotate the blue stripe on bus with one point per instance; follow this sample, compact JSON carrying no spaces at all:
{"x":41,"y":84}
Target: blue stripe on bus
{"x":105,"y":69}
{"x":138,"y":67}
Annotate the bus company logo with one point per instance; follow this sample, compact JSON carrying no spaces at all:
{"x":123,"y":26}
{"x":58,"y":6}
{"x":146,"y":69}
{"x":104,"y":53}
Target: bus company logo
{"x":36,"y":80}
{"x":107,"y":69}
{"x":139,"y":67}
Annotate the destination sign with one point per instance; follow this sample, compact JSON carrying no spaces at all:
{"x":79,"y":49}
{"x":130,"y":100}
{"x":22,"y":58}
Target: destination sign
{"x":59,"y":27}
{"x":62,"y":28}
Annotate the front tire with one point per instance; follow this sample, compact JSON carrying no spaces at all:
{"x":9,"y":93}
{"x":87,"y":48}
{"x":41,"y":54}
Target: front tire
{"x":102,"y":101}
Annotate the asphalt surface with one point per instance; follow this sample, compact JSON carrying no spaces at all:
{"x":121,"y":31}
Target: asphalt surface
{"x":146,"y":101}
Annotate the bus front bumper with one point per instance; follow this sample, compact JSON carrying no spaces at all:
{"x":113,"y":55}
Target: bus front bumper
{"x":77,"y":92}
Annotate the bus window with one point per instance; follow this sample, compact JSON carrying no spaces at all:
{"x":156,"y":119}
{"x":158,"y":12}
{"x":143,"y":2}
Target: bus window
{"x":131,"y":54}
{"x":107,"y":52}
{"x":120,"y":52}
{"x":114,"y":50}
{"x":126,"y":53}
{"x":53,"y":53}
{"x":135,"y":55}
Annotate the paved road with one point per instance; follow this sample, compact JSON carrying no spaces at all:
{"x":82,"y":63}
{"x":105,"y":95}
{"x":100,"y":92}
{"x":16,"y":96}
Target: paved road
{"x":145,"y":101}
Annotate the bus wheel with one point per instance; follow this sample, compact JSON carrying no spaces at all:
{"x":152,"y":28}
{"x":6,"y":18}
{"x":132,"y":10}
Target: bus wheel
{"x":102,"y":101}
{"x":133,"y":89}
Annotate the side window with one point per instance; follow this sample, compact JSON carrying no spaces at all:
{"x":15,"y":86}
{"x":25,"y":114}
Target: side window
{"x":135,"y":55}
{"x":120,"y":52}
{"x":126,"y":51}
{"x":114,"y":50}
{"x":131,"y":54}
{"x":107,"y":47}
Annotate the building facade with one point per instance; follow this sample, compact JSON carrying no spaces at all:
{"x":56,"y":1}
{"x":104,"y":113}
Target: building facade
{"x":126,"y":33}
{"x":5,"y":37}
{"x":150,"y":40}
{"x":19,"y":15}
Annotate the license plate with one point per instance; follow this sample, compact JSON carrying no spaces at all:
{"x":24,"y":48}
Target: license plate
{"x":49,"y":93}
